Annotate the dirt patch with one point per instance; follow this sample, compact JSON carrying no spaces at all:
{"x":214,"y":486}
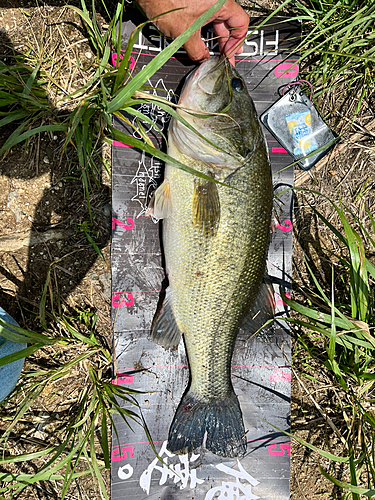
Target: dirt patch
{"x":44,"y":220}
{"x":48,"y":208}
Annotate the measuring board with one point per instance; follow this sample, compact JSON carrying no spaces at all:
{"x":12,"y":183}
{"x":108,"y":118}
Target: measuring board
{"x":260,"y":366}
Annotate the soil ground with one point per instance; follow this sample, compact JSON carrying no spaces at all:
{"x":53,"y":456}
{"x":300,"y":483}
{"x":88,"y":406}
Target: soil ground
{"x":43,"y":209}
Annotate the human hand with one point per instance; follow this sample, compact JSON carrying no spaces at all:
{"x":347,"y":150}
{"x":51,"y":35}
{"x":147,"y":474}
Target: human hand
{"x":230,"y":23}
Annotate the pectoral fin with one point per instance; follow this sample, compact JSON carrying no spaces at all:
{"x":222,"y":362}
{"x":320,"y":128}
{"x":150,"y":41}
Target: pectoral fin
{"x":206,"y":207}
{"x":160,"y":205}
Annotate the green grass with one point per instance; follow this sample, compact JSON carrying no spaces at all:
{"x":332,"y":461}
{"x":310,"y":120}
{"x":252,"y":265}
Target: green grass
{"x":342,"y":320}
{"x":81,"y":435}
{"x":337,"y":49}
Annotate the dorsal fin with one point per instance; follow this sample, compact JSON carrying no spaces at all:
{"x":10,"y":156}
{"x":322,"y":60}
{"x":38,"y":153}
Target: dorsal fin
{"x":261,"y":316}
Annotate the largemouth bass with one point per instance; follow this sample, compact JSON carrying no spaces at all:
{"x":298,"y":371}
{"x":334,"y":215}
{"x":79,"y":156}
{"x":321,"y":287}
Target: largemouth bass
{"x":215,"y":242}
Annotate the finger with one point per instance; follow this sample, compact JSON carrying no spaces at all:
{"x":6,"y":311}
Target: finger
{"x":231,"y":24}
{"x":222,"y":32}
{"x":239,"y":50}
{"x":232,"y":47}
{"x":196,"y":48}
{"x":232,"y":61}
{"x":225,"y":41}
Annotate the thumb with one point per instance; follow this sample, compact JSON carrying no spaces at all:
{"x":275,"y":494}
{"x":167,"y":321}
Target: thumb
{"x":196,"y":48}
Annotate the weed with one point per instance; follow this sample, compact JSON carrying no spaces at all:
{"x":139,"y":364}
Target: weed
{"x":80,"y":436}
{"x":344,"y":322}
{"x":338,"y":47}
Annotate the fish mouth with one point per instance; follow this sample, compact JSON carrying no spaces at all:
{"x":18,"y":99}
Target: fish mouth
{"x":207,"y":78}
{"x":210,"y":75}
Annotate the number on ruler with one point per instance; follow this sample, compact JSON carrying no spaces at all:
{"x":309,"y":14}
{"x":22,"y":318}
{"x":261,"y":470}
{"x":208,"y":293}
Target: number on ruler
{"x":115,"y":63}
{"x":286,"y":70}
{"x":124,"y":450}
{"x":278,"y":450}
{"x":128,"y":227}
{"x":117,"y":301}
{"x":286,"y":225}
{"x":280,"y":302}
{"x":123,"y":379}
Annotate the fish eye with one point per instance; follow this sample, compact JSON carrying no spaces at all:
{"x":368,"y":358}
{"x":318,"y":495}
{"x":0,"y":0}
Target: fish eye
{"x":237,"y":84}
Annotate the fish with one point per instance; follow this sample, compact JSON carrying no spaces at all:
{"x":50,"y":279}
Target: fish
{"x":216,"y":231}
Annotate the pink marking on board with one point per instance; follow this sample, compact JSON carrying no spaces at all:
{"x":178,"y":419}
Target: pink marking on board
{"x":272,"y":450}
{"x":278,"y":150}
{"x":118,"y":302}
{"x":280,"y":302}
{"x":121,"y":453}
{"x":122,"y":379}
{"x":286,"y":70}
{"x":128,"y":227}
{"x":280,"y":376}
{"x":127,"y":215}
{"x":273,"y":367}
{"x":121,"y":144}
{"x":253,"y":366}
{"x":286,"y":225}
{"x":115,"y":63}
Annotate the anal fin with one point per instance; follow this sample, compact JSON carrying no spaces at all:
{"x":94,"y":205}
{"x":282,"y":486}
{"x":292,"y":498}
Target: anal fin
{"x":164,"y":329}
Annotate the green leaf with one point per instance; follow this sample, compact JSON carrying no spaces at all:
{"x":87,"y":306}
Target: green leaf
{"x":131,"y":141}
{"x":347,"y":486}
{"x":26,"y":457}
{"x":167,"y":106}
{"x":96,"y":467}
{"x":26,"y":335}
{"x":23,"y":353}
{"x":42,"y":305}
{"x":105,"y":439}
{"x":31,"y":80}
{"x":17,"y":138}
{"x":76,"y":334}
{"x":332,"y":340}
{"x":322,"y":453}
{"x":317,"y":315}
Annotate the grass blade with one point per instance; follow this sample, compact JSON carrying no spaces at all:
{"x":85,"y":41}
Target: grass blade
{"x":347,"y":486}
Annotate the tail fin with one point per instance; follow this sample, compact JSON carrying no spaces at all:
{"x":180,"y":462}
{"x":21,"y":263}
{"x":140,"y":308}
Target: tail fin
{"x":220,"y":418}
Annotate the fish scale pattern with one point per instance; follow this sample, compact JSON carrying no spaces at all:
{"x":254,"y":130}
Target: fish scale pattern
{"x":214,"y":281}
